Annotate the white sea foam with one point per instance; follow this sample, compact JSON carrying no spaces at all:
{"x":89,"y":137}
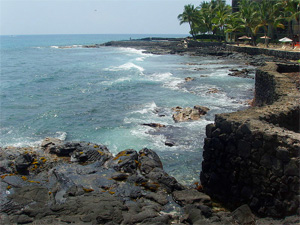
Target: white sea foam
{"x":77,"y":46}
{"x":66,"y":47}
{"x":61,"y":135}
{"x":161,"y":76}
{"x":174,"y":84}
{"x":32,"y":142}
{"x":140,"y":59}
{"x":169,"y":81}
{"x":149,"y":107}
{"x":120,"y":80}
{"x":141,"y":132}
{"x":135,"y":51}
{"x":126,"y":66}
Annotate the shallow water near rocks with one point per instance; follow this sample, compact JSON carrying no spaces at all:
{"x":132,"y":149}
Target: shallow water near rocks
{"x":104,"y":95}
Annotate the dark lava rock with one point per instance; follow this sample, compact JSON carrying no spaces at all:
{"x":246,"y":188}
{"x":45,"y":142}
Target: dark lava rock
{"x":148,"y":161}
{"x":125,"y":161}
{"x":23,"y":162}
{"x":89,"y":153}
{"x":64,"y":149}
{"x":169,"y":143}
{"x":130,"y":188}
{"x":191,"y":196}
{"x":154,"y":125}
{"x":243,"y":215}
{"x":50,"y":142}
{"x":244,"y":73}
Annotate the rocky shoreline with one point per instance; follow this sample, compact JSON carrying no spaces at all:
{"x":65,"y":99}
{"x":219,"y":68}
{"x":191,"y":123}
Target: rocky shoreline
{"x":182,"y":47}
{"x":83,"y":183}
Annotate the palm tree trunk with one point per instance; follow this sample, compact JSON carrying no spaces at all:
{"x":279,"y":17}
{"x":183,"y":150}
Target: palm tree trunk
{"x":266,"y":39}
{"x":192,"y":31}
{"x":290,"y":35}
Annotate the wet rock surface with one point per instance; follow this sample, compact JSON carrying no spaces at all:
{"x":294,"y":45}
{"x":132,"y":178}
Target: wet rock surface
{"x":189,"y":114}
{"x":91,"y":186}
{"x":244,"y":73}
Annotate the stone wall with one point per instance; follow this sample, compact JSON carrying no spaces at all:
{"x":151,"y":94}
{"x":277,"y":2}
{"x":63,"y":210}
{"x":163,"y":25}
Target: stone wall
{"x":249,"y":50}
{"x":252,"y":156}
{"x":256,"y":51}
{"x":139,"y":43}
{"x":194,"y":44}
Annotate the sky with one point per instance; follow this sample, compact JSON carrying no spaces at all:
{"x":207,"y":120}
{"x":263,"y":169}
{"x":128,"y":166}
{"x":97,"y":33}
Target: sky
{"x":93,"y":16}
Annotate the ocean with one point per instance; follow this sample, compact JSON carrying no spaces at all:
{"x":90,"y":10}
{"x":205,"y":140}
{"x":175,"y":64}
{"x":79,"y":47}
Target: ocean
{"x":53,"y":87}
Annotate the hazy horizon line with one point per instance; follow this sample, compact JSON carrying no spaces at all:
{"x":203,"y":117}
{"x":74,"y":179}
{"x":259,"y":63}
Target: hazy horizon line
{"x":98,"y":34}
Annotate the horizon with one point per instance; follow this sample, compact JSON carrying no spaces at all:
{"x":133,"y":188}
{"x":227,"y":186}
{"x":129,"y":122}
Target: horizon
{"x":47,"y":17}
{"x":93,"y":34}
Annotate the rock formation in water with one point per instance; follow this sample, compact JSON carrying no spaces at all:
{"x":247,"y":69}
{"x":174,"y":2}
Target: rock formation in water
{"x":189,"y":114}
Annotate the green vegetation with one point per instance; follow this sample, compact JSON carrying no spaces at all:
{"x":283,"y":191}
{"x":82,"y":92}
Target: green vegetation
{"x":215,"y":19}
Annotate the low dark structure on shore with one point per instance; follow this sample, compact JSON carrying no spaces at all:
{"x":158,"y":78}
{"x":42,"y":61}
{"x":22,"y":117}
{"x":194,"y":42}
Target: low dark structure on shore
{"x":252,"y":156}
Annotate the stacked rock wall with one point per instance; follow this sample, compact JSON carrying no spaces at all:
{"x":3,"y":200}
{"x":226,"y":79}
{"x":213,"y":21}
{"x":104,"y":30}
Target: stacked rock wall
{"x":271,"y":52}
{"x":252,"y":156}
{"x":193,"y":44}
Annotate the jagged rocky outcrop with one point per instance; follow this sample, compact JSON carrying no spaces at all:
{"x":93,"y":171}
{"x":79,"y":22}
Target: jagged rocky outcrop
{"x":83,"y":183}
{"x":188,"y":113}
{"x":244,"y":73}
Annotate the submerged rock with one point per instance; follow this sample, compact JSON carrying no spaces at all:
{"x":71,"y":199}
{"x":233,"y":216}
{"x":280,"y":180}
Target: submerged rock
{"x":212,"y":91}
{"x":154,"y":125}
{"x":188,"y":79}
{"x":244,"y":73}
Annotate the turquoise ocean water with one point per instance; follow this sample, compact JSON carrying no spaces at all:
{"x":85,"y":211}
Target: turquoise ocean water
{"x":104,"y":95}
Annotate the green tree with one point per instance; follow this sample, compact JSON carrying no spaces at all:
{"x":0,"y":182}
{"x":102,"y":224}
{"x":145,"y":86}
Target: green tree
{"x":205,"y":24}
{"x":248,"y":13}
{"x":221,"y":16}
{"x":234,"y":25}
{"x":290,"y":10}
{"x":268,"y":14}
{"x":190,"y":15}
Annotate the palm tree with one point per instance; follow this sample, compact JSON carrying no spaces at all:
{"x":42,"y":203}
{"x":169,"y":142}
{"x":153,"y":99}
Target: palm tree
{"x":268,"y":15}
{"x":205,"y":24}
{"x":290,"y":12}
{"x":222,"y":12}
{"x":234,"y":24}
{"x":190,"y":15}
{"x":248,"y":13}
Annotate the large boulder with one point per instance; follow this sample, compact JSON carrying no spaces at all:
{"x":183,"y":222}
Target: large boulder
{"x":125,"y":161}
{"x":191,"y":196}
{"x":243,"y":215}
{"x":189,"y":114}
{"x":148,"y":160}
